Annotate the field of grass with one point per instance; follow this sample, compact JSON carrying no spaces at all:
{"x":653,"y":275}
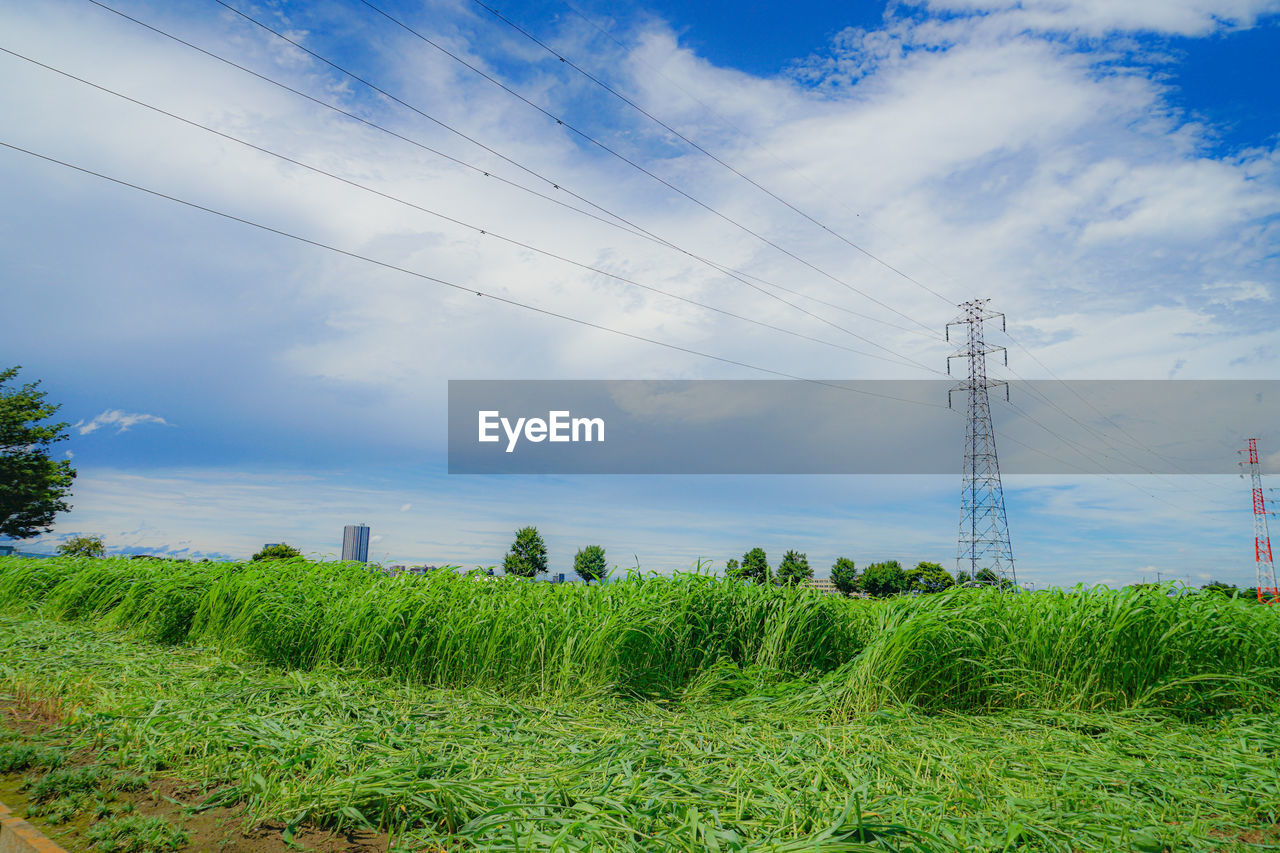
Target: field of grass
{"x":690,"y":713}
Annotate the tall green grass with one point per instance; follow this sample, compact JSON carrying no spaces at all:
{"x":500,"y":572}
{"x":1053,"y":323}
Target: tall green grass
{"x":689,"y":636}
{"x":1099,"y":649}
{"x":458,"y":770}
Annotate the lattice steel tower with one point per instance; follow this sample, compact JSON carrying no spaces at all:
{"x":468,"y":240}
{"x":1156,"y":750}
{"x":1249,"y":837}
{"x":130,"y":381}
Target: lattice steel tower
{"x":984,"y":530}
{"x":1261,"y":536}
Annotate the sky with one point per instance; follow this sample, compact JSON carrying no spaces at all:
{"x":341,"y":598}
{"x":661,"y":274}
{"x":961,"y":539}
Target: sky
{"x":367,"y":218}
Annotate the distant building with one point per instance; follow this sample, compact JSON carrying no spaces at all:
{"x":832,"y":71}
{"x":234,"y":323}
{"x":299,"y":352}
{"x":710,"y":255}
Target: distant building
{"x":822,"y":585}
{"x":12,"y":551}
{"x":828,"y":586}
{"x":355,"y":542}
{"x":557,"y":578}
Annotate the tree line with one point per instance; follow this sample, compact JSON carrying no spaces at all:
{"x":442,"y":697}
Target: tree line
{"x":876,"y":580}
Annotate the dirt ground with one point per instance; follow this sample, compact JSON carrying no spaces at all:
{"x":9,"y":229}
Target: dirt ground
{"x":219,"y":828}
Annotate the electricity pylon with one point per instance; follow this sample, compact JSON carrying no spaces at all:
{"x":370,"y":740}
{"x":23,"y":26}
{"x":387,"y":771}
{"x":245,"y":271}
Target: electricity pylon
{"x":984,"y":530}
{"x":1261,"y":536}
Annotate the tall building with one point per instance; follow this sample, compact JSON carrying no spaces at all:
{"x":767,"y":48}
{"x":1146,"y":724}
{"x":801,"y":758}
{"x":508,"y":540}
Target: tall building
{"x":355,"y":542}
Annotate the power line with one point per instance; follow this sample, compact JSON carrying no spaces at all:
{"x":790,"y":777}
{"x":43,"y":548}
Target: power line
{"x":1085,"y":453}
{"x":735,"y":273}
{"x":1076,"y":446}
{"x":1030,"y":386}
{"x":517,"y":303}
{"x":570,"y":207}
{"x":1137,"y":444}
{"x":629,"y":225}
{"x":606,"y":87}
{"x":455,"y":221}
{"x":452,"y":285}
{"x":1135,"y":441}
{"x":751,"y":139}
{"x":570,"y":127}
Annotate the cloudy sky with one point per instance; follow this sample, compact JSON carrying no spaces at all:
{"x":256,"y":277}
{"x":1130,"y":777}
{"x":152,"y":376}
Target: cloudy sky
{"x":382,"y":197}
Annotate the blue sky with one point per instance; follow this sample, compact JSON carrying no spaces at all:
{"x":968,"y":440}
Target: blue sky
{"x":1106,"y":173}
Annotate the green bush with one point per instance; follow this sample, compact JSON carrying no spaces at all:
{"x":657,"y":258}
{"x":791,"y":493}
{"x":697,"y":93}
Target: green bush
{"x":590,"y":564}
{"x":276,"y":552}
{"x":755,"y":566}
{"x":528,"y":555}
{"x":794,"y":569}
{"x":844,"y":575}
{"x":883,"y":579}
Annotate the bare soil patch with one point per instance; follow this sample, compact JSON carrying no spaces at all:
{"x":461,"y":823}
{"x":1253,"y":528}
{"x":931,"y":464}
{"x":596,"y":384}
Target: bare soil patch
{"x":212,"y":828}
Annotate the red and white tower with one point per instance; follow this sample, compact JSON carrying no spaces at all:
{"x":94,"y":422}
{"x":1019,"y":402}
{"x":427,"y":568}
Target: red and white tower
{"x":1267,"y":590}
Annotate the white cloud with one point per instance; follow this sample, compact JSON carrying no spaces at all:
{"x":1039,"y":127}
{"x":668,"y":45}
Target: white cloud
{"x":406,"y":507}
{"x":1096,"y":17}
{"x":118,"y":418}
{"x":976,"y":153}
{"x":1233,"y":292}
{"x":982,"y":159}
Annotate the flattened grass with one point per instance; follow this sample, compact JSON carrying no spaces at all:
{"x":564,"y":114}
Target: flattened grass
{"x":469,"y":769}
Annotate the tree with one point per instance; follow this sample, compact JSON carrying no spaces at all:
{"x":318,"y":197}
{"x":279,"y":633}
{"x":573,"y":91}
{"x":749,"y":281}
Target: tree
{"x":987,"y":577}
{"x":929,"y":577}
{"x":589,"y":563}
{"x":33,"y":487}
{"x":528,"y":555}
{"x":83,"y":546}
{"x":793,"y":569}
{"x":844,"y":575}
{"x":883,"y":579}
{"x":963,"y":578}
{"x":732,"y":569}
{"x":276,"y":552}
{"x":755,"y":566}
{"x":1220,"y":588}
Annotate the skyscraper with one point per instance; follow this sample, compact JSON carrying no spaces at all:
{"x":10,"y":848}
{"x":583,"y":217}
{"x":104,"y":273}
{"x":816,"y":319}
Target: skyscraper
{"x":355,"y":542}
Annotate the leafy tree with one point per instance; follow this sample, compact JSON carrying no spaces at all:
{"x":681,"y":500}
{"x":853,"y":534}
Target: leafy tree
{"x":528,"y":555}
{"x":1220,"y":588}
{"x":32,"y":486}
{"x":83,"y":546}
{"x":589,"y":563}
{"x":732,"y":569}
{"x":276,"y":552}
{"x":755,"y":566}
{"x":793,"y":569}
{"x":962,"y":578}
{"x":929,"y":577}
{"x":987,"y":577}
{"x":883,"y":579}
{"x":844,"y":575}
